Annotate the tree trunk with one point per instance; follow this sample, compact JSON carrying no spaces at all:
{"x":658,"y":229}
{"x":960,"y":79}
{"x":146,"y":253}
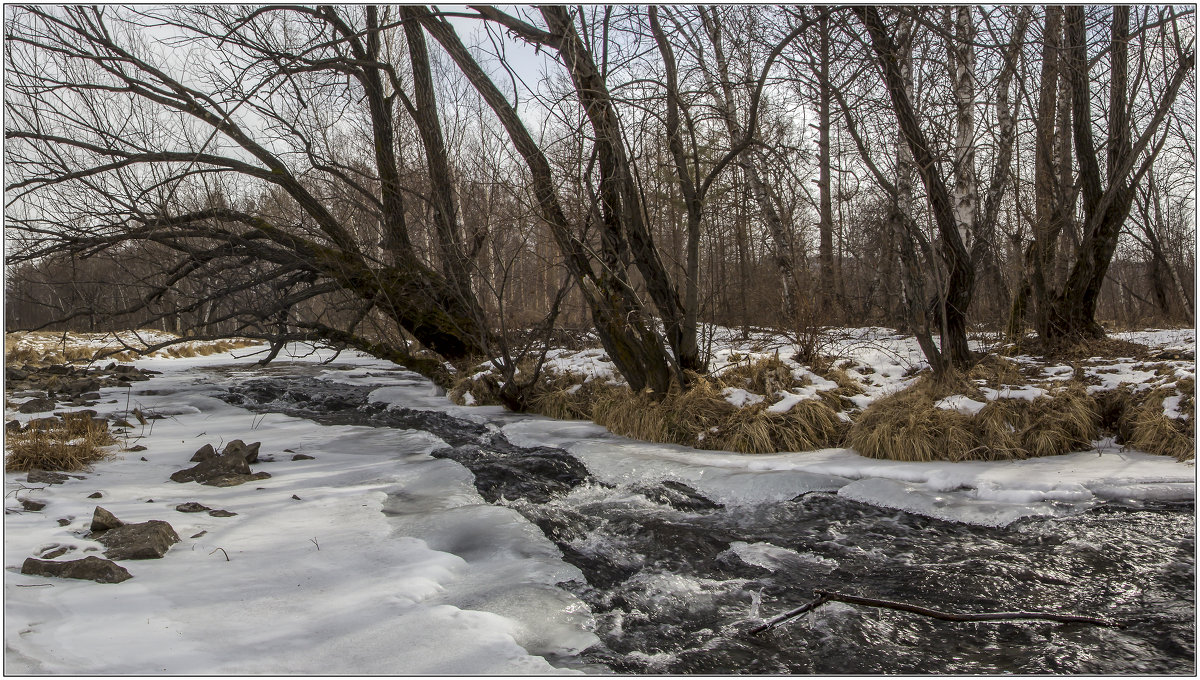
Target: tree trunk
{"x":955,"y":296}
{"x":620,"y":321}
{"x":829,"y":304}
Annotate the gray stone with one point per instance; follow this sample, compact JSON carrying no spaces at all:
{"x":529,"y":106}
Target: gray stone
{"x":13,"y":425}
{"x":221,"y":513}
{"x":36,"y":405}
{"x":40,"y":424}
{"x":32,"y":505}
{"x":225,"y":470}
{"x":248,"y":452}
{"x":50,"y":552}
{"x":144,"y":541}
{"x":235,"y":480}
{"x":206,"y":452}
{"x":45,"y":477}
{"x":96,"y":495}
{"x":302,"y":456}
{"x":89,"y":569}
{"x":191,"y":506}
{"x":103,"y":520}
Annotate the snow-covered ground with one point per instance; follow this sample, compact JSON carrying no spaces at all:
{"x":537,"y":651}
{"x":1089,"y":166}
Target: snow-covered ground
{"x":374,"y":557}
{"x":325,"y":584}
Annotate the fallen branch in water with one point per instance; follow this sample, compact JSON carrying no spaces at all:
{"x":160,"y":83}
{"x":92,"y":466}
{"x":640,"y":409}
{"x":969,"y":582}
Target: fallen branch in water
{"x":768,"y":625}
{"x":824,"y":596}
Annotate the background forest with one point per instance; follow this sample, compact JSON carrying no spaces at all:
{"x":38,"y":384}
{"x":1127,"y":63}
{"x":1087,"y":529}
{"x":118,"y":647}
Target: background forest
{"x":441,"y":185}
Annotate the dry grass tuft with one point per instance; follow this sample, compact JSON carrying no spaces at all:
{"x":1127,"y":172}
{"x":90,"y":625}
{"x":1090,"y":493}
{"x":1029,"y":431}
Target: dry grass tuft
{"x":702,"y":418}
{"x":766,"y":377}
{"x":1147,"y":428}
{"x":909,"y":426}
{"x":485,"y":390}
{"x":74,"y":443}
{"x":996,"y":370}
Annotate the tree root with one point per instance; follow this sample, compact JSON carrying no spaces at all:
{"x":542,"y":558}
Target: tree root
{"x":823,"y":596}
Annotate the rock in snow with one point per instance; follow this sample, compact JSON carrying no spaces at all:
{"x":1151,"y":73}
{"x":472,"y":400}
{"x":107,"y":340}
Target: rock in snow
{"x":145,"y":541}
{"x":103,"y":520}
{"x":88,"y":569}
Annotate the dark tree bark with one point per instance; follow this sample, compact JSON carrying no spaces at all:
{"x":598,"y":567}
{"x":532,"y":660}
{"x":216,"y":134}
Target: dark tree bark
{"x":1070,"y":315}
{"x":621,"y":323}
{"x":955,"y":297}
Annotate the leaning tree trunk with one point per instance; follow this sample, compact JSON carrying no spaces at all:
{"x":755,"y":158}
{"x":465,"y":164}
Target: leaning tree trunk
{"x":621,"y":323}
{"x":955,"y":296}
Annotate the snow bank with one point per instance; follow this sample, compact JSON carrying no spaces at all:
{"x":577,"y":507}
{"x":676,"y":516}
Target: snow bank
{"x":984,"y":493}
{"x":388,"y":562}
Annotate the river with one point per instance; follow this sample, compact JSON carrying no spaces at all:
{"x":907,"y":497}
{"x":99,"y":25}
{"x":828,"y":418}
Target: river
{"x":675,"y":580}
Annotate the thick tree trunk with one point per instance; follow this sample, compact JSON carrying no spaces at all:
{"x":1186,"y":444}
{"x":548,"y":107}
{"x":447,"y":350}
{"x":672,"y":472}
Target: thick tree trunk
{"x":624,"y":330}
{"x":620,"y":198}
{"x":955,"y":296}
{"x":1107,"y":197}
{"x":456,"y":267}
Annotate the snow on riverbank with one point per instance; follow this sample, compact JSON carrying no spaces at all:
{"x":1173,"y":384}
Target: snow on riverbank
{"x":329,"y":583}
{"x":389,"y":561}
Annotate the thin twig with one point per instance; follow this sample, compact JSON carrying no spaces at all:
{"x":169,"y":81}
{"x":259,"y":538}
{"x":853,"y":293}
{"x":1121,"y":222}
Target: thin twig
{"x":223,"y":551}
{"x":952,"y":616}
{"x":823,"y":596}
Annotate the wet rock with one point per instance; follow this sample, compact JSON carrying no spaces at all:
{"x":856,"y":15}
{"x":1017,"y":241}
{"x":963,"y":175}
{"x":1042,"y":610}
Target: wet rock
{"x":235,"y":480}
{"x":88,"y":569}
{"x":143,"y":541}
{"x":32,"y":505}
{"x":81,"y":386}
{"x":37,"y":405}
{"x":302,"y":456}
{"x":502,"y":470}
{"x":96,"y":494}
{"x":103,"y":520}
{"x":191,"y":506}
{"x":13,"y":425}
{"x":199,"y":534}
{"x":13,"y":373}
{"x":221,"y":513}
{"x":679,"y":496}
{"x":295,"y":497}
{"x":63,"y":521}
{"x":135,"y":448}
{"x":206,"y":452}
{"x":46,"y":477}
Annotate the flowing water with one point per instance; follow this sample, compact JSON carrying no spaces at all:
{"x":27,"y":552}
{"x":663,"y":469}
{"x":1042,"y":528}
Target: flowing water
{"x":676,"y":581}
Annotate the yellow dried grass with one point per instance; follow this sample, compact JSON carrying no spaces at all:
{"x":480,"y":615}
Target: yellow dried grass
{"x":909,"y":426}
{"x":1149,"y":429}
{"x":73,"y":444}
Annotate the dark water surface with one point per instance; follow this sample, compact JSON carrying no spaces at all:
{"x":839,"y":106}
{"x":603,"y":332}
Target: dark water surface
{"x":675,"y":581}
